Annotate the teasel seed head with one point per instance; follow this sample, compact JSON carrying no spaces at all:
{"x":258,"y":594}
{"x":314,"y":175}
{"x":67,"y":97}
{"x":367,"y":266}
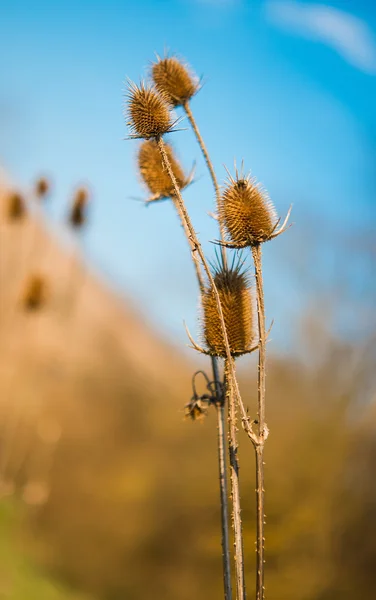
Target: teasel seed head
{"x":16,"y":207}
{"x":148,"y":112}
{"x":153,"y":173}
{"x":35,"y":293}
{"x":78,"y":213}
{"x":246,"y":212}
{"x":173,"y":78}
{"x":42,"y":187}
{"x":236,"y":301}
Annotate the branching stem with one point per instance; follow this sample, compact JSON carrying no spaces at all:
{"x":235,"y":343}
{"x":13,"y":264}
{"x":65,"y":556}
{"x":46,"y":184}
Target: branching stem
{"x":197,"y":249}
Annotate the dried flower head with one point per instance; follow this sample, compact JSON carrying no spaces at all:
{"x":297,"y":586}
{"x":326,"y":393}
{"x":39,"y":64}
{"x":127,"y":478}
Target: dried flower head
{"x":172,"y":78}
{"x":247,"y":212}
{"x":154,"y":174}
{"x":196,"y":410}
{"x":42,"y":187}
{"x":78,"y":213}
{"x":148,"y":112}
{"x":35,"y":293}
{"x":15,"y":207}
{"x":236,"y":301}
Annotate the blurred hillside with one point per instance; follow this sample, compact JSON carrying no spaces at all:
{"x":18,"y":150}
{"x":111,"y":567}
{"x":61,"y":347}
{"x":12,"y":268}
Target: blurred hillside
{"x":118,"y":493}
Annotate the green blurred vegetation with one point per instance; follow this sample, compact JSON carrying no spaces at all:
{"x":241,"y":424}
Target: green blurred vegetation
{"x":20,"y":579}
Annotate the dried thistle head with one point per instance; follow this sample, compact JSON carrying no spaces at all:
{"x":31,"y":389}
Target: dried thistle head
{"x":148,"y":112}
{"x":15,"y":207}
{"x":153,"y":173}
{"x":247,"y":212}
{"x":42,"y":187}
{"x":35,"y":293}
{"x":173,"y":78}
{"x":78,"y":213}
{"x":196,"y":410}
{"x":236,"y":301}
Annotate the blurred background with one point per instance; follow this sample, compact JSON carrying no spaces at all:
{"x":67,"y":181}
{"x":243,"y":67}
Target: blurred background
{"x":107,"y":491}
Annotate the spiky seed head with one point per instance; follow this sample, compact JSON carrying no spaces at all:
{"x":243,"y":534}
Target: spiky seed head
{"x":247,"y":212}
{"x":195,"y":410}
{"x":78,"y":213}
{"x":35,"y":293}
{"x":42,"y":187}
{"x":15,"y":207}
{"x":236,"y":301}
{"x":173,"y":78}
{"x":148,"y":112}
{"x":153,"y":172}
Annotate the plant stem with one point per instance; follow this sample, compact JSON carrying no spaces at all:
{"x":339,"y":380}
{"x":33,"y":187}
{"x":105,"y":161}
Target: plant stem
{"x":197,"y":249}
{"x":220,"y":408}
{"x":210,"y":167}
{"x":259,"y":448}
{"x":235,"y":489}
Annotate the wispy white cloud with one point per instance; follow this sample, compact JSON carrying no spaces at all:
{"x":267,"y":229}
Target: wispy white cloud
{"x":345,"y":33}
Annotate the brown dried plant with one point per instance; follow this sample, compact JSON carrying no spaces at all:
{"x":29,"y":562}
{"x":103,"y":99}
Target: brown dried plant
{"x":225,"y":295}
{"x":42,"y":187}
{"x":35,"y":292}
{"x":249,"y":218}
{"x":78,"y":212}
{"x":15,"y":207}
{"x":153,"y":174}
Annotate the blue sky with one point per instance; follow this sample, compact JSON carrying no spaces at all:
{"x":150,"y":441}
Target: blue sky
{"x":290,"y":87}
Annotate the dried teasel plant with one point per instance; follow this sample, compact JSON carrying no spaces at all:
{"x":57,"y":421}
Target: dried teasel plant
{"x":174,"y":89}
{"x":177,"y":82}
{"x":155,"y":176}
{"x":199,"y":263}
{"x":77,"y":216}
{"x":235,"y":295}
{"x":234,"y":291}
{"x":15,"y":207}
{"x":148,"y":112}
{"x":34,"y":296}
{"x":249,"y":219}
{"x":42,"y":188}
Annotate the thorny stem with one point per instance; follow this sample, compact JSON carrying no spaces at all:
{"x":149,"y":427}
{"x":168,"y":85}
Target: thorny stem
{"x":235,"y":489}
{"x":196,"y":248}
{"x":262,"y":431}
{"x":220,"y":408}
{"x":213,"y":176}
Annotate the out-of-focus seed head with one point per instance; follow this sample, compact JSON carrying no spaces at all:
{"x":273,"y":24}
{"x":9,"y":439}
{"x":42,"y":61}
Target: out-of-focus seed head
{"x":15,"y":207}
{"x":247,"y":212}
{"x":236,"y":301}
{"x":148,"y":112}
{"x":153,"y":173}
{"x":173,"y":78}
{"x":78,"y":213}
{"x":35,"y":293}
{"x":42,"y":187}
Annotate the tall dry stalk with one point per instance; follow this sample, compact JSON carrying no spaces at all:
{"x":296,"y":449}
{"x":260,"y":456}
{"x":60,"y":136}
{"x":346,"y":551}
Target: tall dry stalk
{"x":259,"y":449}
{"x":159,"y":184}
{"x":247,"y":217}
{"x":235,"y":489}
